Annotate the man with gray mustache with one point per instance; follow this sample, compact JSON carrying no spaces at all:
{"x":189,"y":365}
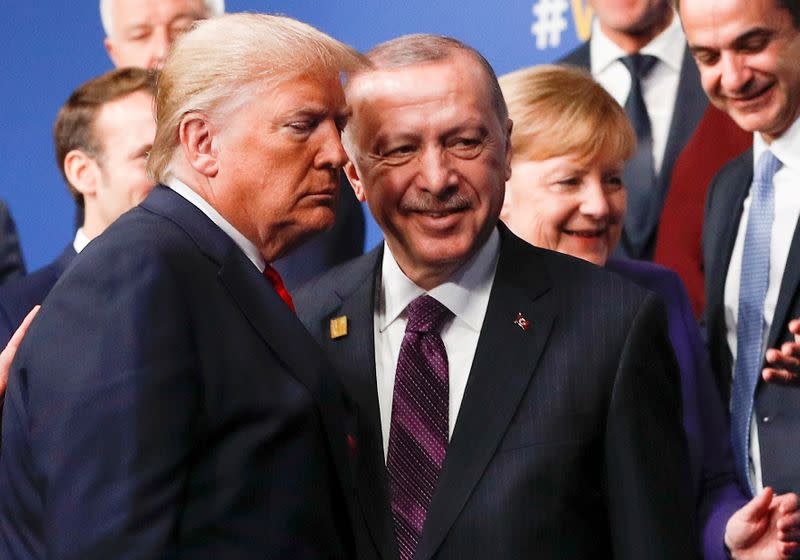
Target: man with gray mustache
{"x":513,"y":402}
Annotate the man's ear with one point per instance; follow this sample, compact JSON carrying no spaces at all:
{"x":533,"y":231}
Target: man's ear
{"x":509,"y":151}
{"x":112,"y":53}
{"x":82,"y":172}
{"x":351,"y":173}
{"x":196,"y":136}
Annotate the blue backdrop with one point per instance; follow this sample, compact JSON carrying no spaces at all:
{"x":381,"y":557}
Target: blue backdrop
{"x":54,"y":46}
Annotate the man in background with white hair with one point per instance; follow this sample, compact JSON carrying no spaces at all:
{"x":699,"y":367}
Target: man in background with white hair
{"x":167,"y":402}
{"x":140,"y":33}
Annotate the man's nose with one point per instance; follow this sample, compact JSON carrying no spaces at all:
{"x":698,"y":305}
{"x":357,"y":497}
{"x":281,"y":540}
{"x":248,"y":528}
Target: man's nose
{"x":435,"y":171}
{"x":160,"y":42}
{"x":332,"y":153}
{"x":736,"y":74}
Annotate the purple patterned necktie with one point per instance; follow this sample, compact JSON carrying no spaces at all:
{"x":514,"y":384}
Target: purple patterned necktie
{"x":419,"y":430}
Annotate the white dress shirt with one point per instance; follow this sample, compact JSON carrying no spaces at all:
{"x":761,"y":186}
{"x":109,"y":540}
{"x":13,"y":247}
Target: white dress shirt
{"x":659,"y":88}
{"x":248,"y":247}
{"x":787,"y":209}
{"x":81,"y":241}
{"x":466,"y":295}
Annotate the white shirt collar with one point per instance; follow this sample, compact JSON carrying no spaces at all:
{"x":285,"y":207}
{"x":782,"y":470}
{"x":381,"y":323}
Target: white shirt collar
{"x":466,"y":294}
{"x":81,"y":241}
{"x":668,"y":46}
{"x":786,"y":148}
{"x":247,"y":246}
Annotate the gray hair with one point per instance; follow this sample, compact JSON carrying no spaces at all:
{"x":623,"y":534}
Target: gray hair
{"x":215,"y":63}
{"x":214,"y":7}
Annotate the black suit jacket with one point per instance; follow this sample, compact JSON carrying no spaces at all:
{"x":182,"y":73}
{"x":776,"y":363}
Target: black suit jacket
{"x":777,"y":407}
{"x":692,"y":102}
{"x":11,"y":264}
{"x":18,"y":296}
{"x":166,"y":403}
{"x":568,"y":442}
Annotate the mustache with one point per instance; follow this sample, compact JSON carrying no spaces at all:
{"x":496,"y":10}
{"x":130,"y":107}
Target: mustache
{"x":426,"y":202}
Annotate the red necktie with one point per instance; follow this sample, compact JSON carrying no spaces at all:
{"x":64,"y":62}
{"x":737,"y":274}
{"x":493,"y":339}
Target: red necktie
{"x":277,"y":283}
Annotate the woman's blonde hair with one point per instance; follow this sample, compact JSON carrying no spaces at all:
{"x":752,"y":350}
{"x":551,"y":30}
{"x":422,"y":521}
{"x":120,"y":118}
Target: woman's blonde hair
{"x":559,"y":110}
{"x":214,"y":63}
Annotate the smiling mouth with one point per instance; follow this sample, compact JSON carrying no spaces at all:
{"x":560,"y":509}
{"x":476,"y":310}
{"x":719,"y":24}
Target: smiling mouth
{"x":751,"y":97}
{"x":442,"y":214}
{"x":586,"y":234}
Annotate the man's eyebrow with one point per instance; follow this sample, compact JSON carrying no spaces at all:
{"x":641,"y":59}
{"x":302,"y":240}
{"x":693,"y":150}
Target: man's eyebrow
{"x":137,"y":26}
{"x":757,"y":33}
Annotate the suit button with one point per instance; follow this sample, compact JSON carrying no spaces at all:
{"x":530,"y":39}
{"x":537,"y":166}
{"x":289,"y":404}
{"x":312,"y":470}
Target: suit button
{"x":765,"y":420}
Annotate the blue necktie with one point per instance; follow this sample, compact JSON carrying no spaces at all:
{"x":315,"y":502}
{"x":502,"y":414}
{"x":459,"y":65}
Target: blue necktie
{"x":750,"y":323}
{"x":640,"y":175}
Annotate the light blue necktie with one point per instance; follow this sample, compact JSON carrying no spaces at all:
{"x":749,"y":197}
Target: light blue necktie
{"x":750,"y":324}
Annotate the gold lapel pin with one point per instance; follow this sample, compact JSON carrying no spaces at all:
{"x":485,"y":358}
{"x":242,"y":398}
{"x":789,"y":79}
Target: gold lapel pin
{"x":521,"y":322}
{"x":339,"y":327}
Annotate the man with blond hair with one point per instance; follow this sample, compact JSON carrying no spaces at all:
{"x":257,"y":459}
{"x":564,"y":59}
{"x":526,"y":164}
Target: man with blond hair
{"x":140,"y":33}
{"x":166,"y":401}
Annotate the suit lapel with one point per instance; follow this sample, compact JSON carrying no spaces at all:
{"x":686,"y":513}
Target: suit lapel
{"x":497,"y":382}
{"x":723,"y":226}
{"x":354,"y":358}
{"x":266,"y":312}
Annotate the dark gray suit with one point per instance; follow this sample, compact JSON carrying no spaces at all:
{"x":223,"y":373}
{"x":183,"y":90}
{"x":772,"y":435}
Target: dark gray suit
{"x":776,"y":406}
{"x":568,"y":442}
{"x":692,"y":102}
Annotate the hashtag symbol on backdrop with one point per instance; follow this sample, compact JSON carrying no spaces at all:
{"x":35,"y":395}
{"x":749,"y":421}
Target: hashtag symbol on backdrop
{"x":550,"y":22}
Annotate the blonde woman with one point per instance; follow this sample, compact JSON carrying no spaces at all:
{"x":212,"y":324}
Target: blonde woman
{"x":570,"y":142}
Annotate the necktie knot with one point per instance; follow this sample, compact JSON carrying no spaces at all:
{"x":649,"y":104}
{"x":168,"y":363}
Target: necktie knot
{"x":639,"y":65}
{"x":425,"y":314}
{"x":766,"y":168}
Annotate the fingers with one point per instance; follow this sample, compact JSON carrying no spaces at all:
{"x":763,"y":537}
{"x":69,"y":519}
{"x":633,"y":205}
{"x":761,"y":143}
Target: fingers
{"x":788,"y":523}
{"x":773,"y":375}
{"x":7,"y":355}
{"x":757,"y":508}
{"x":794,"y":328}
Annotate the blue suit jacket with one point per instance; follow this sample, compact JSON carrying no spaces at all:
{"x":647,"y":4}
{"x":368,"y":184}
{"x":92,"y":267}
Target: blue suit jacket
{"x":11,"y":264}
{"x":166,"y":403}
{"x":705,"y":418}
{"x":776,"y":406}
{"x":568,"y":442}
{"x":18,"y":296}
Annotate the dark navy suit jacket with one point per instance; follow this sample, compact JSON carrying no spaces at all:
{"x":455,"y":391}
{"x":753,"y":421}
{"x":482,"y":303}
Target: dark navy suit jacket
{"x":166,"y":403}
{"x":568,"y":442}
{"x":705,"y":418}
{"x":776,"y":406}
{"x":11,"y":264}
{"x":18,"y":296}
{"x":701,"y":140}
